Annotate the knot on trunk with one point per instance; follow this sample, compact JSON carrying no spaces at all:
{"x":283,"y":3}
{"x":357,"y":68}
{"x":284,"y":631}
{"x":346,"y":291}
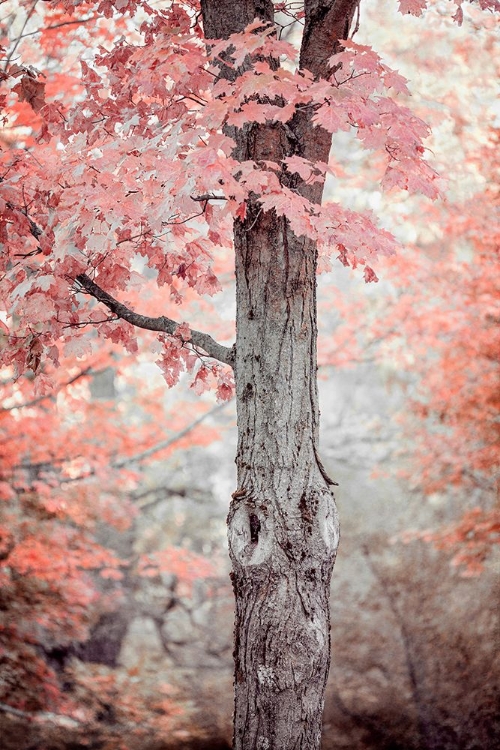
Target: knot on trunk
{"x":249,"y":529}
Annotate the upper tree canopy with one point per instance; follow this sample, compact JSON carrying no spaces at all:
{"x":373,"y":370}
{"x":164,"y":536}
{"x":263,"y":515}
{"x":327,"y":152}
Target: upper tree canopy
{"x":118,"y":163}
{"x":121,"y":160}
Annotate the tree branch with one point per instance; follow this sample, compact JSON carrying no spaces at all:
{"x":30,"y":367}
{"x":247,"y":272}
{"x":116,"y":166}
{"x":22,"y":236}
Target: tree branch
{"x":162,"y":324}
{"x":42,"y":716}
{"x":169,"y":441}
{"x":122,"y":462}
{"x":34,"y":401}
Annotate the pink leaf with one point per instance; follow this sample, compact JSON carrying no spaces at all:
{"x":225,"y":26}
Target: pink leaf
{"x":412,"y":7}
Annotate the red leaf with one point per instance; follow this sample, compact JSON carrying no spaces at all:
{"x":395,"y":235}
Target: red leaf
{"x":32,"y":91}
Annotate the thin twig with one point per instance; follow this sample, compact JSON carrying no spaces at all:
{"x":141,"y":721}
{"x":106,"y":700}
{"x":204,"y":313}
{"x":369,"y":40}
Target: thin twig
{"x":16,"y":44}
{"x":34,"y":401}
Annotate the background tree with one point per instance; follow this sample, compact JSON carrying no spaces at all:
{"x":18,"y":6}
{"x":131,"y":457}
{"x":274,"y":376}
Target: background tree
{"x":165,"y":123}
{"x":455,"y":338}
{"x":68,"y":503}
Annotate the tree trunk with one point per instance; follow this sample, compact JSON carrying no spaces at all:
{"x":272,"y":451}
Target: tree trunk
{"x":282,"y":523}
{"x":283,"y":530}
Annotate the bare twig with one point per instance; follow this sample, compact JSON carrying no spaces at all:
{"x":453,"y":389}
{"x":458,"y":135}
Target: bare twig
{"x":16,"y":43}
{"x":34,"y":401}
{"x":169,"y":441}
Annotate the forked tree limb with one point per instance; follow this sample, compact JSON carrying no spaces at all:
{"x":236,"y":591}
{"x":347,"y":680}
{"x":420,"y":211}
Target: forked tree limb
{"x":327,"y":22}
{"x":161,"y":324}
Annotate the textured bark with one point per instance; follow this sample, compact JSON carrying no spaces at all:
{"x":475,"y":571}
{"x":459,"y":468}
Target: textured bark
{"x":282,"y":523}
{"x":283,"y":530}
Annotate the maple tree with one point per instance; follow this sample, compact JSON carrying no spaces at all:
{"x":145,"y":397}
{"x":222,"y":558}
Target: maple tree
{"x":47,"y":543}
{"x":191,"y":130}
{"x":56,"y":494}
{"x":438,"y":336}
{"x":442,"y":330}
{"x":455,"y":342}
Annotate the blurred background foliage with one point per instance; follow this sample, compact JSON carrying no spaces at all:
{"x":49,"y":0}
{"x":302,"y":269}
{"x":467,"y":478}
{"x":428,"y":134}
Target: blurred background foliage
{"x":115,"y":601}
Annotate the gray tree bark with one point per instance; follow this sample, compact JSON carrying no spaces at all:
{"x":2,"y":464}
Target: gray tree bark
{"x":282,"y":523}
